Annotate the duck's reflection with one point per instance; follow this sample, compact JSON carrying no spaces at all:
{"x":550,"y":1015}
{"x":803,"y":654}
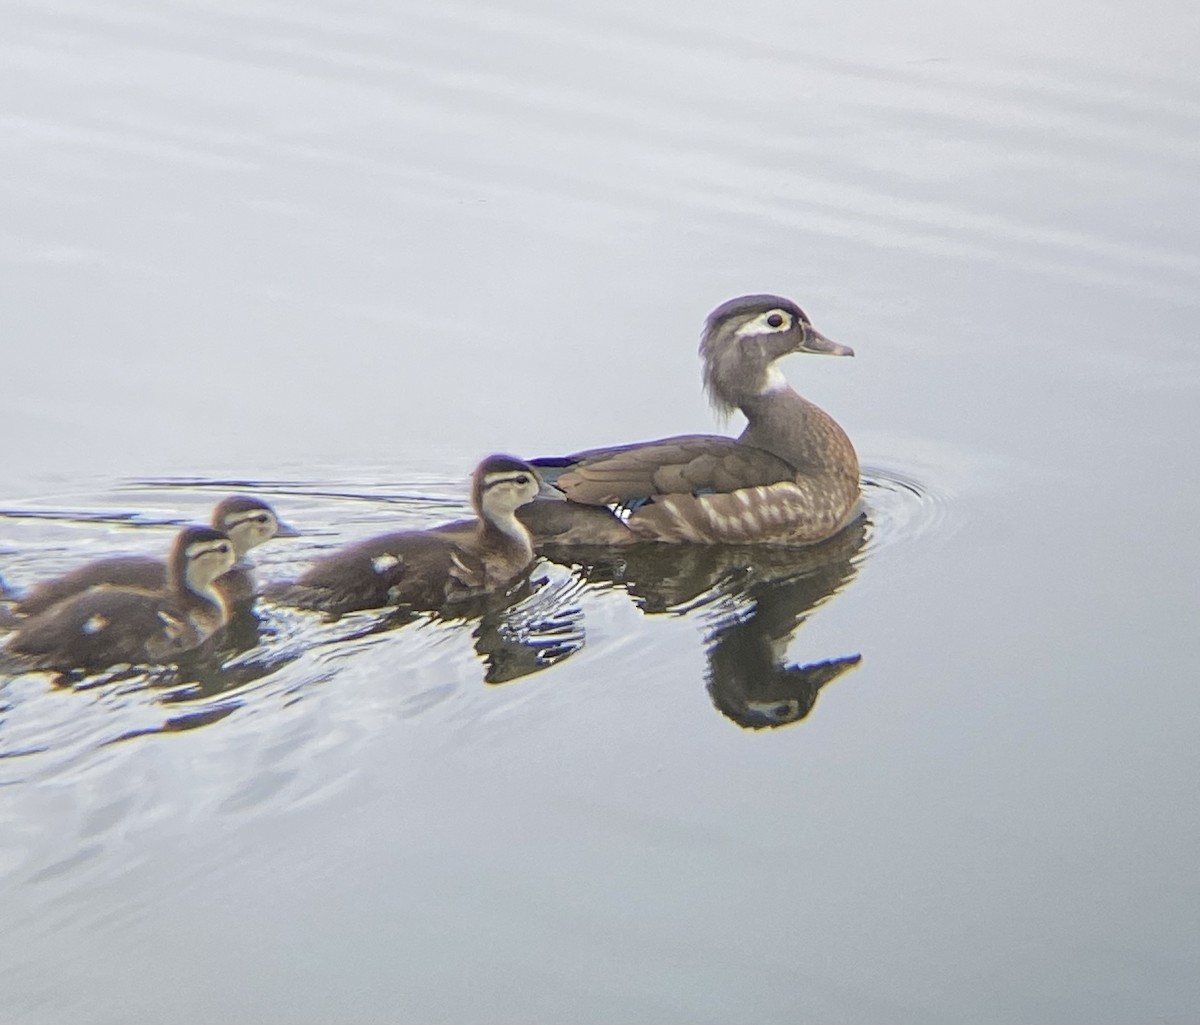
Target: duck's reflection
{"x":754,"y":598}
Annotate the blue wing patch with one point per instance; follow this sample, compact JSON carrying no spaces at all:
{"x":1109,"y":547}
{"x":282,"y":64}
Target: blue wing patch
{"x":631,"y":505}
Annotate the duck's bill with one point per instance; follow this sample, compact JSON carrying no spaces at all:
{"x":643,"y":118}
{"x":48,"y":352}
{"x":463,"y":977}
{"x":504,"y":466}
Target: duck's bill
{"x":814,"y":341}
{"x":285,"y":529}
{"x":549,"y":491}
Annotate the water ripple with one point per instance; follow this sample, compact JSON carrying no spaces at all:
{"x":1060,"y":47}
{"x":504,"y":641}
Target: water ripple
{"x":271,"y":697}
{"x":901,"y":508}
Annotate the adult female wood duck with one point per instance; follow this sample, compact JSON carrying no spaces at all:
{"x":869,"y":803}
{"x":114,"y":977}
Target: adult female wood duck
{"x":248,"y":522}
{"x":107,"y":625}
{"x":791,"y":477}
{"x":430,"y":569}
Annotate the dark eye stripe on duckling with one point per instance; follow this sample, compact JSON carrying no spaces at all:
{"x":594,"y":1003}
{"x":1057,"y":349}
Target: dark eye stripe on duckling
{"x":195,"y":551}
{"x":493,"y":479}
{"x":257,"y":515}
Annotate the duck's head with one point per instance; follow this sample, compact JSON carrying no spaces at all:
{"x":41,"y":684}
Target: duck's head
{"x":742,"y":340}
{"x":248,"y":522}
{"x":200,"y":555}
{"x":501,"y":484}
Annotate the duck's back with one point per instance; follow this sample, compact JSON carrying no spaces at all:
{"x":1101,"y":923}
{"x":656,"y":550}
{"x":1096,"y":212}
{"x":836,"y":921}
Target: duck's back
{"x":687,"y":464}
{"x":106,"y":626}
{"x":133,"y":571}
{"x":425,"y":569}
{"x":408,"y":567}
{"x":236,"y":587}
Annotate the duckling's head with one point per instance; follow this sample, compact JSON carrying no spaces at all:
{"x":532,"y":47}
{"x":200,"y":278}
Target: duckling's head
{"x":501,"y":484}
{"x":248,"y":522}
{"x":200,"y":555}
{"x":742,"y":340}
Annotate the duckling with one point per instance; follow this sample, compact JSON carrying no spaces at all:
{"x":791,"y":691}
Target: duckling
{"x":248,"y":522}
{"x":430,"y":569}
{"x":109,"y":625}
{"x":790,"y":478}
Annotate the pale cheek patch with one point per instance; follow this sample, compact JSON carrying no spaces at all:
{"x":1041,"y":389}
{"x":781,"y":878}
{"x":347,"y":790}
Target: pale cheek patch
{"x":248,"y":525}
{"x":94,"y":624}
{"x":382,"y":563}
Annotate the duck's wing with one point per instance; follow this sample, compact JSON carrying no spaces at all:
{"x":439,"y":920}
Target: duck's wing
{"x":470,"y":572}
{"x":402,"y":568}
{"x":691,"y":464}
{"x":105,"y":626}
{"x":703,"y":489}
{"x":133,"y":571}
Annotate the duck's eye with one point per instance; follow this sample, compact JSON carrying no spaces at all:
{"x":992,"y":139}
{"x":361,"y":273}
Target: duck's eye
{"x":263,"y":519}
{"x":223,"y":549}
{"x":522,"y":480}
{"x":775,"y":320}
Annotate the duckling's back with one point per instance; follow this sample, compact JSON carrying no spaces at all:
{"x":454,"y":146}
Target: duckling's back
{"x":106,"y":626}
{"x":133,"y":571}
{"x":410,"y":567}
{"x":236,"y":587}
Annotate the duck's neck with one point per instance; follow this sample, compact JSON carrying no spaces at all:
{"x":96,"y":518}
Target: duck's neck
{"x":789,"y":426}
{"x":199,"y":594}
{"x":505,"y":530}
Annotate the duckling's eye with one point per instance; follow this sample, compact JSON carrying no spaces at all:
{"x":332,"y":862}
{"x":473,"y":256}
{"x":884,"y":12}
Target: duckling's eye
{"x":223,"y":549}
{"x":262,"y":518}
{"x":775,"y":320}
{"x":522,"y":479}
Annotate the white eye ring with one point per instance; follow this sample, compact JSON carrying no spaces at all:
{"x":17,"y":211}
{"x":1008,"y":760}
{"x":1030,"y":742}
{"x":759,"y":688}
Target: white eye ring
{"x":769,"y":323}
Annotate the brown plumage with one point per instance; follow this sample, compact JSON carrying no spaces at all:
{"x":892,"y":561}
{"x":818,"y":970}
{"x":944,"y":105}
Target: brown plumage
{"x":790,"y":478}
{"x":430,"y":569}
{"x":108,"y":625}
{"x":248,"y":522}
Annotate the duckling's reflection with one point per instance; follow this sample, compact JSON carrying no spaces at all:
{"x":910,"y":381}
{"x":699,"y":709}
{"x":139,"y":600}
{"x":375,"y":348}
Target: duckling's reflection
{"x":756,"y":596}
{"x":518,"y":632}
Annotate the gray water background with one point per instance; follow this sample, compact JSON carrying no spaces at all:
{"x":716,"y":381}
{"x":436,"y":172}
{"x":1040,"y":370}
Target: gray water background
{"x":339,"y":251}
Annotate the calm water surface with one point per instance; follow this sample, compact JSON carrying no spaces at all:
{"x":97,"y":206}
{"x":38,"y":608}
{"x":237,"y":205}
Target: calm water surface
{"x":943,"y":769}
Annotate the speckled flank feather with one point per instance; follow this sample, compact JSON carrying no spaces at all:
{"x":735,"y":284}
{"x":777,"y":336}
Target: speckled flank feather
{"x":788,"y":512}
